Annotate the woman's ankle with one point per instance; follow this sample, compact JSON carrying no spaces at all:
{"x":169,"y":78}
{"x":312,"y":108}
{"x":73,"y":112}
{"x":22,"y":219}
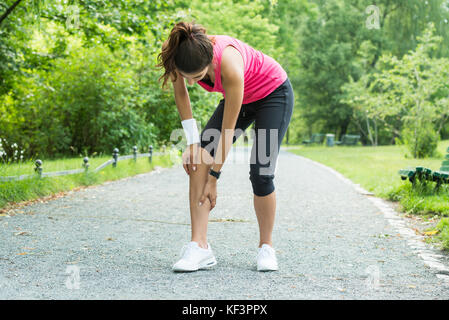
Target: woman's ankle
{"x":261,"y":243}
{"x":201,"y":243}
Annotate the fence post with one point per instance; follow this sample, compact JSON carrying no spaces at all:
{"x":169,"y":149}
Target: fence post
{"x":173,"y":149}
{"x":86,"y":164}
{"x":38,"y":168}
{"x":135,"y":153}
{"x":151,"y":153}
{"x":115,"y":157}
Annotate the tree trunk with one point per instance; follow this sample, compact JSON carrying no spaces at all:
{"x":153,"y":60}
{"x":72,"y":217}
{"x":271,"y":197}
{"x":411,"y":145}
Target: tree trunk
{"x":370,"y":136}
{"x":344,"y":126}
{"x":376,"y":135}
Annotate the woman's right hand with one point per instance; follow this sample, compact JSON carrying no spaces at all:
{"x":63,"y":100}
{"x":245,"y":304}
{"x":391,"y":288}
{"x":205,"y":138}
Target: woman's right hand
{"x":190,"y":157}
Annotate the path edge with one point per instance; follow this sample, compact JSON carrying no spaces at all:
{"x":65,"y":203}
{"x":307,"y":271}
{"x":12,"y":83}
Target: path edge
{"x":428,"y":253}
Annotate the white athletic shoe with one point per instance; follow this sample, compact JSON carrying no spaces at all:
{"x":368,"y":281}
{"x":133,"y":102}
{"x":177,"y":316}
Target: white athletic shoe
{"x":193,"y":258}
{"x":266,"y":259}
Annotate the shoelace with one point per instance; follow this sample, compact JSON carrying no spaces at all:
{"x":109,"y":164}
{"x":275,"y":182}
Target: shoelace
{"x":266,"y":253}
{"x":186,"y":249}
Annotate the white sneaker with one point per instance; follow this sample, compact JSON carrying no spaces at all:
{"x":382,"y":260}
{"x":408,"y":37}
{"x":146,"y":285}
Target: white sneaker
{"x":266,"y":259}
{"x":193,"y":258}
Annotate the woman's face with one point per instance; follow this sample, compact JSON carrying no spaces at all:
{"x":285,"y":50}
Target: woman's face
{"x":192,"y":78}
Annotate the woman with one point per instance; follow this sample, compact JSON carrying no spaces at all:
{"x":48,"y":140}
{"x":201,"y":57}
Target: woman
{"x":256,"y":89}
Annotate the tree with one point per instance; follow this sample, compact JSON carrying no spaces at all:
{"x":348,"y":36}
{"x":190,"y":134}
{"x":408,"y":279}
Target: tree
{"x":328,"y":47}
{"x":414,"y":89}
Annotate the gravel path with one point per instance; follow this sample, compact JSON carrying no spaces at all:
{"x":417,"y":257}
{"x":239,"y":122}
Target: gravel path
{"x":124,"y":236}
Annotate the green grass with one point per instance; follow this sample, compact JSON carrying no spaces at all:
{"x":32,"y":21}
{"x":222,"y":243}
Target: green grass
{"x":27,"y":167}
{"x":376,"y":170}
{"x":34,"y":188}
{"x":443,"y":229}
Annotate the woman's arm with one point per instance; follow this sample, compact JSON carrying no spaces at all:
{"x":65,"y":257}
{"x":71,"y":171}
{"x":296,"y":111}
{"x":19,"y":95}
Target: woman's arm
{"x":182,"y":98}
{"x":233,"y":80}
{"x":232,"y":71}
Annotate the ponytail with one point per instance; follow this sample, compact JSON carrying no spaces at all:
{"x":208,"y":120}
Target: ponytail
{"x":187,"y":49}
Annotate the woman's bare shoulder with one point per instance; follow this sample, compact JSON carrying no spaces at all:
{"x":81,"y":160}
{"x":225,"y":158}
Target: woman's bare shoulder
{"x":231,"y":59}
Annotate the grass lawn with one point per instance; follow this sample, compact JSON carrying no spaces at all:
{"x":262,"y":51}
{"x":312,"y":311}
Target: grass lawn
{"x":376,"y":170}
{"x":12,"y":192}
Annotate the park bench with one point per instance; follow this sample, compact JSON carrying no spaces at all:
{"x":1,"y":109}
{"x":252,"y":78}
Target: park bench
{"x":348,"y":140}
{"x":425,"y":174}
{"x":317,"y":138}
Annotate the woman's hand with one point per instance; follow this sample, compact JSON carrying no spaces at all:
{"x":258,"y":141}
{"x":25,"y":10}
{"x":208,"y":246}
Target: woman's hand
{"x":190,"y":157}
{"x":210,"y":191}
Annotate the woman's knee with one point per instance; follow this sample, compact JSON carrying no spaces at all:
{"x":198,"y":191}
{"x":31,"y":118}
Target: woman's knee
{"x":202,"y":163}
{"x":263,"y":185}
{"x":206,"y":159}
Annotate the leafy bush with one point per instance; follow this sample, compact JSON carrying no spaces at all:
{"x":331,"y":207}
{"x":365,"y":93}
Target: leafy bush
{"x":421,"y":142}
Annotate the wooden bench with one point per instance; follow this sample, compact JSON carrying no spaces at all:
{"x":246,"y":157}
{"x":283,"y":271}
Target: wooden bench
{"x":408,"y":174}
{"x":442,"y":176}
{"x":348,"y":140}
{"x":317,"y":138}
{"x":425,"y":174}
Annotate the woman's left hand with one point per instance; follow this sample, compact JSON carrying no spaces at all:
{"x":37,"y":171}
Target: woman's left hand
{"x":210,"y":191}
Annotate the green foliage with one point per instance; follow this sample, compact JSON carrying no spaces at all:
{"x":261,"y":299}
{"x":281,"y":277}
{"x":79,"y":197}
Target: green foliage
{"x":93,"y":96}
{"x":422,"y":199}
{"x":423,"y":143}
{"x":289,"y":17}
{"x":413,"y":90}
{"x":405,"y":21}
{"x":89,"y":89}
{"x":443,"y":227}
{"x":328,"y":46}
{"x":78,"y":76}
{"x":241,"y":19}
{"x":337,"y":47}
{"x":35,"y":187}
{"x":88,"y":99}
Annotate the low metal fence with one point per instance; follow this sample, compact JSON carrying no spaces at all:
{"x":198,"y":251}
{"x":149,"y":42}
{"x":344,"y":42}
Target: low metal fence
{"x":115,"y":159}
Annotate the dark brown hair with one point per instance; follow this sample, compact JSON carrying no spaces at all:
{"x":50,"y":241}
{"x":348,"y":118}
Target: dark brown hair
{"x":187,"y":49}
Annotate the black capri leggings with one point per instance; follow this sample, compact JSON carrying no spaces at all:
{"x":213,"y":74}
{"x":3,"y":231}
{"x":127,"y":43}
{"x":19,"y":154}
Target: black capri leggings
{"x":272,"y":116}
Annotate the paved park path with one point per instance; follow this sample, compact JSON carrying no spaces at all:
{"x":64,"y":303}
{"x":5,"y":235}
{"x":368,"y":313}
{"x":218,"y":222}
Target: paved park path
{"x":119,"y":241}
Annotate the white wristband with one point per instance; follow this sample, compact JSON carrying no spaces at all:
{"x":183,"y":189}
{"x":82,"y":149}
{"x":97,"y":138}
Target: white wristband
{"x":191,"y":131}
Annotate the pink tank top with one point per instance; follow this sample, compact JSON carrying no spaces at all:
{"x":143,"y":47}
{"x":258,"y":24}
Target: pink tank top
{"x":262,"y":73}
